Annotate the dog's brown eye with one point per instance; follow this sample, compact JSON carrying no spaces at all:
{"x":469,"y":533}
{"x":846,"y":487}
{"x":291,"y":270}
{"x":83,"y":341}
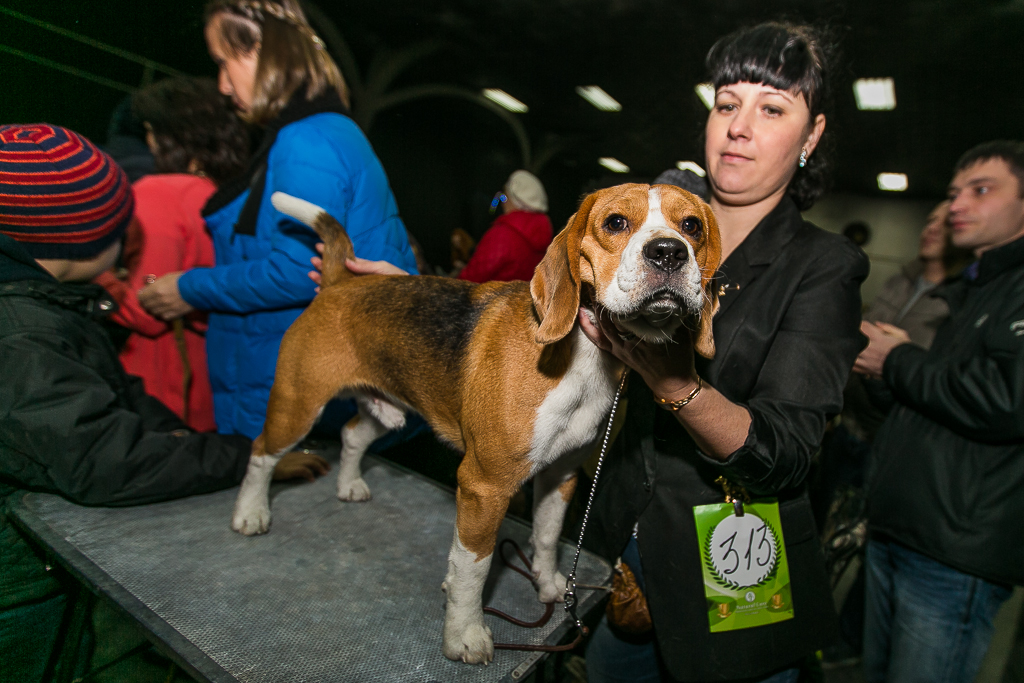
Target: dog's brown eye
{"x":692,"y":226}
{"x":616,"y":223}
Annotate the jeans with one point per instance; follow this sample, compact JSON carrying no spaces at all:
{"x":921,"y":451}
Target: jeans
{"x":924,"y":622}
{"x":613,"y":659}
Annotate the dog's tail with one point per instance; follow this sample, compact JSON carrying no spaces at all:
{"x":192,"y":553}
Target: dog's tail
{"x":337,"y":245}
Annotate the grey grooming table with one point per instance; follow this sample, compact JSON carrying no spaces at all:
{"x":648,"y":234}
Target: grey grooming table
{"x":335,"y":592}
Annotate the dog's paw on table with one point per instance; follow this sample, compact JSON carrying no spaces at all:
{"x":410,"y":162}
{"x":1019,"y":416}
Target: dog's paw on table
{"x":550,"y":588}
{"x":472,"y":646}
{"x":353,"y":491}
{"x":250,"y":519}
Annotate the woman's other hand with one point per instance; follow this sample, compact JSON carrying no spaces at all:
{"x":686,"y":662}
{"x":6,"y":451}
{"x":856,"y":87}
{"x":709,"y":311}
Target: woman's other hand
{"x":356,"y":265}
{"x":666,"y":368}
{"x":363,"y":267}
{"x":300,"y":465}
{"x":162,"y":299}
{"x":882,"y":339}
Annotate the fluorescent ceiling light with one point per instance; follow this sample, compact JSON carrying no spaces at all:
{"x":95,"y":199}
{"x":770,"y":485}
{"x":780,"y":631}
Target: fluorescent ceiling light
{"x":613,"y":164}
{"x":502,"y":98}
{"x":893,"y":182}
{"x":598,"y":97}
{"x":875,"y":93}
{"x":691,"y":166}
{"x":706,"y":93}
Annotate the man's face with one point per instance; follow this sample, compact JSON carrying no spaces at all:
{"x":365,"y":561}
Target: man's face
{"x":986,"y":209}
{"x":933,"y":236}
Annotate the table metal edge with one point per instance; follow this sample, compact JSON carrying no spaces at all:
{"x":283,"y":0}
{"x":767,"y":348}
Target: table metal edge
{"x":167,"y":639}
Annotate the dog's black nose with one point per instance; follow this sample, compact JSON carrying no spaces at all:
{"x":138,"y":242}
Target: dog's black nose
{"x":667,"y":254}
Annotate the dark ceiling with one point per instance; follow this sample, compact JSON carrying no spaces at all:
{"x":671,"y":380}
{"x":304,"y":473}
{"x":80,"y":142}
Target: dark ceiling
{"x":957,"y":66}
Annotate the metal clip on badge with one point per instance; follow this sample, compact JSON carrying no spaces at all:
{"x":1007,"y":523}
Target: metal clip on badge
{"x":735,"y":494}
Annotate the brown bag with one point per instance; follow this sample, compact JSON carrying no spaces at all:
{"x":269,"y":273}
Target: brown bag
{"x":627,"y":608}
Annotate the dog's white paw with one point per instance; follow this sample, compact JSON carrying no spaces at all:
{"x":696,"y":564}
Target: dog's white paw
{"x":354,"y":491}
{"x":550,"y":588}
{"x":472,"y":645}
{"x":250,"y":520}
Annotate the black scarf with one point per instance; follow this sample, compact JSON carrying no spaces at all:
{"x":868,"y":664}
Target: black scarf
{"x":255,"y":177}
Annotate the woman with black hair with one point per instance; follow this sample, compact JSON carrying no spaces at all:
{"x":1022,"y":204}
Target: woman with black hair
{"x":198,"y":143}
{"x":705,"y":502}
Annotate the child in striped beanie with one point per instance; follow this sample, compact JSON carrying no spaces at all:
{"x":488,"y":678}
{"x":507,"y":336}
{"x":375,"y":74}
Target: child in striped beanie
{"x":66,"y":202}
{"x":73,"y":422}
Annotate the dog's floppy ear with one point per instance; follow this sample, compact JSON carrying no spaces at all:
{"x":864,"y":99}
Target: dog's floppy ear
{"x":703,"y":337}
{"x":555,"y":286}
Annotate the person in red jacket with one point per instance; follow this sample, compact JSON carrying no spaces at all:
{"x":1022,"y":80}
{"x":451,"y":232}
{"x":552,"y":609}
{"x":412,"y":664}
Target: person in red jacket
{"x":515,"y":243}
{"x":198,"y":143}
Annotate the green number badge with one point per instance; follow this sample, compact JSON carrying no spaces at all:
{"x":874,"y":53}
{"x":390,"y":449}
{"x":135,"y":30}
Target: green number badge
{"x":743,"y":557}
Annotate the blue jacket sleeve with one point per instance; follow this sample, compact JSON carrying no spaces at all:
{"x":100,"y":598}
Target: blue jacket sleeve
{"x":307,"y":163}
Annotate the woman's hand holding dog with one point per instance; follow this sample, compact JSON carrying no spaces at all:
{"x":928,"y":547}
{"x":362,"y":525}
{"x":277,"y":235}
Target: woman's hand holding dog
{"x":357,"y":265}
{"x":718,"y":425}
{"x":666,"y":368}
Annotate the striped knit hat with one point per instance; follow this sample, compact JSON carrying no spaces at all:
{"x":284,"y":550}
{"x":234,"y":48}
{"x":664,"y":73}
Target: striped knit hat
{"x":60,"y":196}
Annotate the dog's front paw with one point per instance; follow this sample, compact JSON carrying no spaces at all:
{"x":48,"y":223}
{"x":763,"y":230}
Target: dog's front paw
{"x":550,"y":588}
{"x":354,"y":491}
{"x":250,"y":520}
{"x":472,"y":645}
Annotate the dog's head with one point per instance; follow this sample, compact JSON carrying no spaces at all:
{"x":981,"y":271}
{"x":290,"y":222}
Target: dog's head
{"x":644,"y":254}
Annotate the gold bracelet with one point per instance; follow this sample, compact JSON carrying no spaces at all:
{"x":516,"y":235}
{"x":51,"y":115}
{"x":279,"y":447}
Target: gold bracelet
{"x":676,"y":405}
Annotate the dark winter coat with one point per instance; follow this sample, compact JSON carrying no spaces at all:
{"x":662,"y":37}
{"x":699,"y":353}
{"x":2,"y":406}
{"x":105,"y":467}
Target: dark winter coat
{"x":786,"y":336}
{"x":72,"y":422}
{"x":947,"y":469}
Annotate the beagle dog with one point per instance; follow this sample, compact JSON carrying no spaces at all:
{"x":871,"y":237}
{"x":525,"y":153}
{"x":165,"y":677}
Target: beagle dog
{"x":500,"y":370}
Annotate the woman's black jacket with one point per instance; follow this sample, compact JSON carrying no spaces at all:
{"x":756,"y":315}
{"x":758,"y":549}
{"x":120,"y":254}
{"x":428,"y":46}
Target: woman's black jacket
{"x":786,"y":336}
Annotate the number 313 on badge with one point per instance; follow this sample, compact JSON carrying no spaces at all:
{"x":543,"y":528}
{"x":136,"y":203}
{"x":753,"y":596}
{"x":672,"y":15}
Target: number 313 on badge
{"x":744,"y":566}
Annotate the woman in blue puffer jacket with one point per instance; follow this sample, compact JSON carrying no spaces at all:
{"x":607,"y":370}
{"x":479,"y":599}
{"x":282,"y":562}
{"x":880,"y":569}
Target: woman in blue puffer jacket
{"x":276,"y":71}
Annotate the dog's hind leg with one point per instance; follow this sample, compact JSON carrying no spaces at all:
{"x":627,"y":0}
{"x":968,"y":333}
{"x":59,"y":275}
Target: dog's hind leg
{"x":552,"y":491}
{"x":252,"y":506}
{"x":296,"y":401}
{"x":376,"y":418}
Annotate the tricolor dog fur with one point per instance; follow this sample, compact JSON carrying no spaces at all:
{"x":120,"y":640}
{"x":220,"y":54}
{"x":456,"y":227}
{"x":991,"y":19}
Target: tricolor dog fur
{"x":500,"y":370}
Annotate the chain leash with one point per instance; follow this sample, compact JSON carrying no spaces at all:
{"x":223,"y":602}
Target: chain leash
{"x":570,"y":581}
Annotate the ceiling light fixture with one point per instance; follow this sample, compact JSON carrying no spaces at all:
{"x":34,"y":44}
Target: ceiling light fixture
{"x":691,"y":166}
{"x":877,"y":94}
{"x":613,"y":164}
{"x":706,"y":93}
{"x":598,"y":97}
{"x":892,"y":182}
{"x":502,"y":98}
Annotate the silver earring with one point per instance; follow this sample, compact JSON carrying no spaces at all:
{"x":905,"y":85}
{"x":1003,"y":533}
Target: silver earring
{"x":803,"y":158}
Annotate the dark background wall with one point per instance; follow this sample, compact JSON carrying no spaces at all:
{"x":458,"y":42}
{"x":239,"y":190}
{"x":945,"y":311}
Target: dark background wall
{"x":957,"y":67}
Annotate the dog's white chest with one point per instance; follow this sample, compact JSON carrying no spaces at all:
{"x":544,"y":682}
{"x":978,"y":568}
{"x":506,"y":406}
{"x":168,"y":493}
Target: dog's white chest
{"x":574,"y":411}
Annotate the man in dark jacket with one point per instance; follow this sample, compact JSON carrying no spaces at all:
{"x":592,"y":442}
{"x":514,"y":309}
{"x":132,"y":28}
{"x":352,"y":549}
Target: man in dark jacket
{"x":946,"y":483}
{"x":71,"y":421}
